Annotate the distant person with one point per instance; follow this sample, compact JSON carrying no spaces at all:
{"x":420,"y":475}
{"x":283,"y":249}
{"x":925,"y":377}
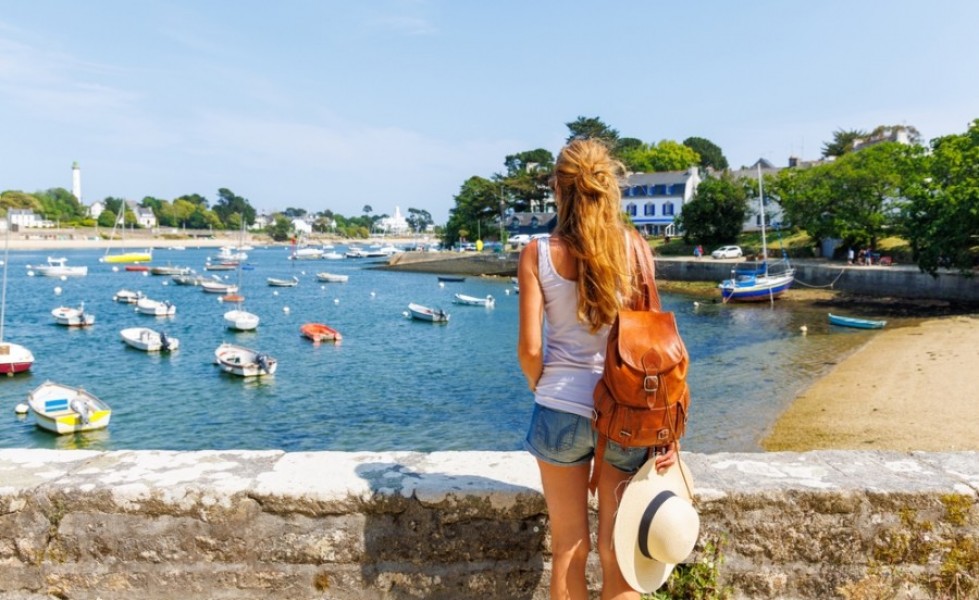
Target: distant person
{"x":849,"y":255}
{"x":698,"y":251}
{"x":575,"y":282}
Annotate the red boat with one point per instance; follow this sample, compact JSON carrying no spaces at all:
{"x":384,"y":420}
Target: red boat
{"x":137,"y":268}
{"x":318,"y":332}
{"x":14,"y":358}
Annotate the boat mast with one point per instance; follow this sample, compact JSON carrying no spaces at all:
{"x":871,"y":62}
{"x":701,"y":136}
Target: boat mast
{"x":761,"y":205}
{"x":3,"y":294}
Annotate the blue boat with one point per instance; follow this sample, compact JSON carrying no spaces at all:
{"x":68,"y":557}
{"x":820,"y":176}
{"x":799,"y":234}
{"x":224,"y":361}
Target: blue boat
{"x":759,"y":280}
{"x":855,"y":322}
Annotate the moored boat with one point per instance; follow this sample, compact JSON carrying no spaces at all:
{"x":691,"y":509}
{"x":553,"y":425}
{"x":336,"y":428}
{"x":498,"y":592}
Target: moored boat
{"x":149,"y":340}
{"x":137,"y":268}
{"x":332,"y":277}
{"x":218,"y":287}
{"x":488,"y":301}
{"x":14,"y":358}
{"x":125,"y":296}
{"x":155,"y":308}
{"x":278,"y":282}
{"x":63,"y":409}
{"x":58,"y":267}
{"x":859,"y":323}
{"x":241,"y":320}
{"x":320,"y":332}
{"x":451,"y":278}
{"x":244,"y":362}
{"x":424,"y":313}
{"x":73,"y":317}
{"x":170,"y":270}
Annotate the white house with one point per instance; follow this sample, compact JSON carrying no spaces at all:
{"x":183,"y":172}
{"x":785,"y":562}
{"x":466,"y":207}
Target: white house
{"x":25,"y":218}
{"x":144,"y":216}
{"x":96,"y":209}
{"x":653,"y":200}
{"x":396,"y":224}
{"x":301,"y":226}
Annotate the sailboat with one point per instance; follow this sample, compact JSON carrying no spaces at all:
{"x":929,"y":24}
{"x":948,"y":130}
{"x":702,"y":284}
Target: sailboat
{"x":240,"y":319}
{"x":134,"y":256}
{"x":14,"y":358}
{"x":759,"y":280}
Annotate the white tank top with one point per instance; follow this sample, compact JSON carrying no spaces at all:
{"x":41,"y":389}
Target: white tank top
{"x":573,"y":357}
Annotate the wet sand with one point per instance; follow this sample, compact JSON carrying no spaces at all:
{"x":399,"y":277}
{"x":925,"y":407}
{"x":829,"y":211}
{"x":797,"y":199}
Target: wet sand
{"x":908,"y":388}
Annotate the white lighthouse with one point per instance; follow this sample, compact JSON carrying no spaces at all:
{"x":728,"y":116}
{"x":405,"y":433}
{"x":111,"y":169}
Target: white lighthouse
{"x":76,"y":181}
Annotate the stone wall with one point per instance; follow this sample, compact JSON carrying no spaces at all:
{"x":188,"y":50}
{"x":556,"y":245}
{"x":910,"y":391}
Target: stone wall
{"x":332,"y":525}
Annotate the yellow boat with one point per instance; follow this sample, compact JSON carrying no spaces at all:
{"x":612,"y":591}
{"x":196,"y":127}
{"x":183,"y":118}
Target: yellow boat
{"x":129,"y":257}
{"x":62,"y":409}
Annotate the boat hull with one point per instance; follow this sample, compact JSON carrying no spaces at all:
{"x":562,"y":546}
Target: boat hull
{"x":760,"y":291}
{"x":488,"y":301}
{"x":273,"y":282}
{"x":243,"y":362}
{"x":423,"y":313}
{"x":128,"y":257}
{"x":241,"y":320}
{"x":855,"y":322}
{"x":318,"y":332}
{"x":62,"y":409}
{"x":147,"y":340}
{"x":14,"y":358}
{"x":72,"y":317}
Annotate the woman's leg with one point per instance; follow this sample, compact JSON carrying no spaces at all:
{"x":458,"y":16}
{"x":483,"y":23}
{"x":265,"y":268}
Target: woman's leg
{"x":566,"y":494}
{"x":611,"y":485}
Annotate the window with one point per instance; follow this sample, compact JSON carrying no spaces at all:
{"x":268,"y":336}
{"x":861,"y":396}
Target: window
{"x":534,"y":223}
{"x":649,"y":209}
{"x":668,"y":209}
{"x":630,"y":209}
{"x":678,"y":189}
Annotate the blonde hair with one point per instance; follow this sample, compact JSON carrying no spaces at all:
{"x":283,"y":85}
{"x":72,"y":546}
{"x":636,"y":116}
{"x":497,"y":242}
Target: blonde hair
{"x":586,"y":182}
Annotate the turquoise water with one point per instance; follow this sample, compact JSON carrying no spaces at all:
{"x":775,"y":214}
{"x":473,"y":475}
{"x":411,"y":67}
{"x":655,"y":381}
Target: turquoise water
{"x":392,"y":384}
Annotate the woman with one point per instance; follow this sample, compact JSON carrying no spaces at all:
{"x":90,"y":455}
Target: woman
{"x":575,"y":281}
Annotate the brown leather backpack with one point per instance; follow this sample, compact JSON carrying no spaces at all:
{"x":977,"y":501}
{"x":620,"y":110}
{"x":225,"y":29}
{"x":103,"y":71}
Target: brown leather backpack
{"x":642,"y":398}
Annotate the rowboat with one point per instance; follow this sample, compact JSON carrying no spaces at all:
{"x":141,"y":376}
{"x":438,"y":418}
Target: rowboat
{"x":275,"y":282}
{"x":58,"y":267}
{"x":332,"y":277}
{"x":62,"y":409}
{"x":73,"y":317}
{"x":169,"y":270}
{"x":218,"y":287}
{"x":241,"y":320}
{"x":424,"y":313}
{"x":244,"y":362}
{"x":14,"y":358}
{"x":307,"y":254}
{"x":318,"y":332}
{"x":855,"y":322}
{"x":488,"y":301}
{"x":125,"y":296}
{"x":155,"y":308}
{"x":222,"y":266}
{"x":189,"y":279}
{"x":332,"y":255}
{"x":149,"y":340}
{"x":451,"y":278}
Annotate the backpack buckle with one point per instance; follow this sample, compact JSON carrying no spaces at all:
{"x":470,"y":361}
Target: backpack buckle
{"x":651,"y":384}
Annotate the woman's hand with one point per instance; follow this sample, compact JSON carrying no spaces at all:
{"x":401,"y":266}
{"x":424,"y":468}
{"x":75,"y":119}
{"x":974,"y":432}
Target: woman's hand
{"x":667,"y":459}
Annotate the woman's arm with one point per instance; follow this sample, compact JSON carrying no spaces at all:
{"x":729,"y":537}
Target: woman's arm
{"x":530,"y":336}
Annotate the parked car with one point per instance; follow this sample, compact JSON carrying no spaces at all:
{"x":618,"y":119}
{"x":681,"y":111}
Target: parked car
{"x":520,"y":238}
{"x":727,"y":252}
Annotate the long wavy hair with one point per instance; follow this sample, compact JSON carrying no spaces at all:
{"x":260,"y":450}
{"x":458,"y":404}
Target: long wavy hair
{"x":586,"y":184}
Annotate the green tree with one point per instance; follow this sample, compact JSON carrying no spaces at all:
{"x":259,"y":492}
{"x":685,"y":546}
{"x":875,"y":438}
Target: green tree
{"x":527,"y":177}
{"x":18,"y":199}
{"x":280,"y":229}
{"x":195,"y":199}
{"x":710,"y":153}
{"x":717,"y":212}
{"x":842,"y":142}
{"x":107,"y":218}
{"x":665,"y":156}
{"x":419,"y":219}
{"x":58,"y":204}
{"x":592,"y":128}
{"x":940,"y":218}
{"x":477,"y":201}
{"x":228,"y":204}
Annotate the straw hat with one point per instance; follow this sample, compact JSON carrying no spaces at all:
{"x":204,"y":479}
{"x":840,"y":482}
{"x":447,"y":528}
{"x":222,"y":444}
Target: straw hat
{"x":656,"y":526}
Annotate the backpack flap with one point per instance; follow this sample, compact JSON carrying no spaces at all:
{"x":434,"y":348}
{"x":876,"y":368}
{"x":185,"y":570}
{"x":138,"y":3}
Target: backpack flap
{"x":649,"y":341}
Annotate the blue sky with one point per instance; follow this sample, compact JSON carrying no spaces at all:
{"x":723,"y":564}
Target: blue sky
{"x":334,"y":105}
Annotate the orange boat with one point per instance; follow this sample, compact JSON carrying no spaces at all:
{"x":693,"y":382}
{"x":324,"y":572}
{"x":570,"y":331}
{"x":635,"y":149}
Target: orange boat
{"x":318,"y":332}
{"x":232,"y":298}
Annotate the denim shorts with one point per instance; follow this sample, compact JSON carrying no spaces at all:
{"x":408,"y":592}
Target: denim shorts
{"x":566,"y":439}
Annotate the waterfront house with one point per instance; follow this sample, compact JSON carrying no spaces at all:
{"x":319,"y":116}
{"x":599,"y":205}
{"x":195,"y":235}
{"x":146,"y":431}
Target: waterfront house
{"x":96,"y":209}
{"x":653,"y":200}
{"x":25,"y":218}
{"x":530,"y":223}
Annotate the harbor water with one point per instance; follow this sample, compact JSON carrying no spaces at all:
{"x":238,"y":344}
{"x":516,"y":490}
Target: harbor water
{"x":391,"y":384}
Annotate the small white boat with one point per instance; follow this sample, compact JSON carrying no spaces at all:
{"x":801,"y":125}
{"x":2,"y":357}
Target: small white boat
{"x":155,"y":308}
{"x":125,"y":296}
{"x":276,"y":282}
{"x":58,"y":267}
{"x":332,"y":255}
{"x":73,"y":317}
{"x":14,"y":358}
{"x":189,"y":279}
{"x":424,"y":313}
{"x":218,"y":287}
{"x":63,"y":409}
{"x":241,"y":320}
{"x":230,"y":254}
{"x":244,"y":362}
{"x":332,"y":277}
{"x":170,"y":270}
{"x":307,"y":254}
{"x":355,"y":253}
{"x":149,"y":340}
{"x":488,"y":301}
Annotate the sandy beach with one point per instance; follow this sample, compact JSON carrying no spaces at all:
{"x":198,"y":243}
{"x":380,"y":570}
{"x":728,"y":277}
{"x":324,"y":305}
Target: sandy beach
{"x":908,"y":388}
